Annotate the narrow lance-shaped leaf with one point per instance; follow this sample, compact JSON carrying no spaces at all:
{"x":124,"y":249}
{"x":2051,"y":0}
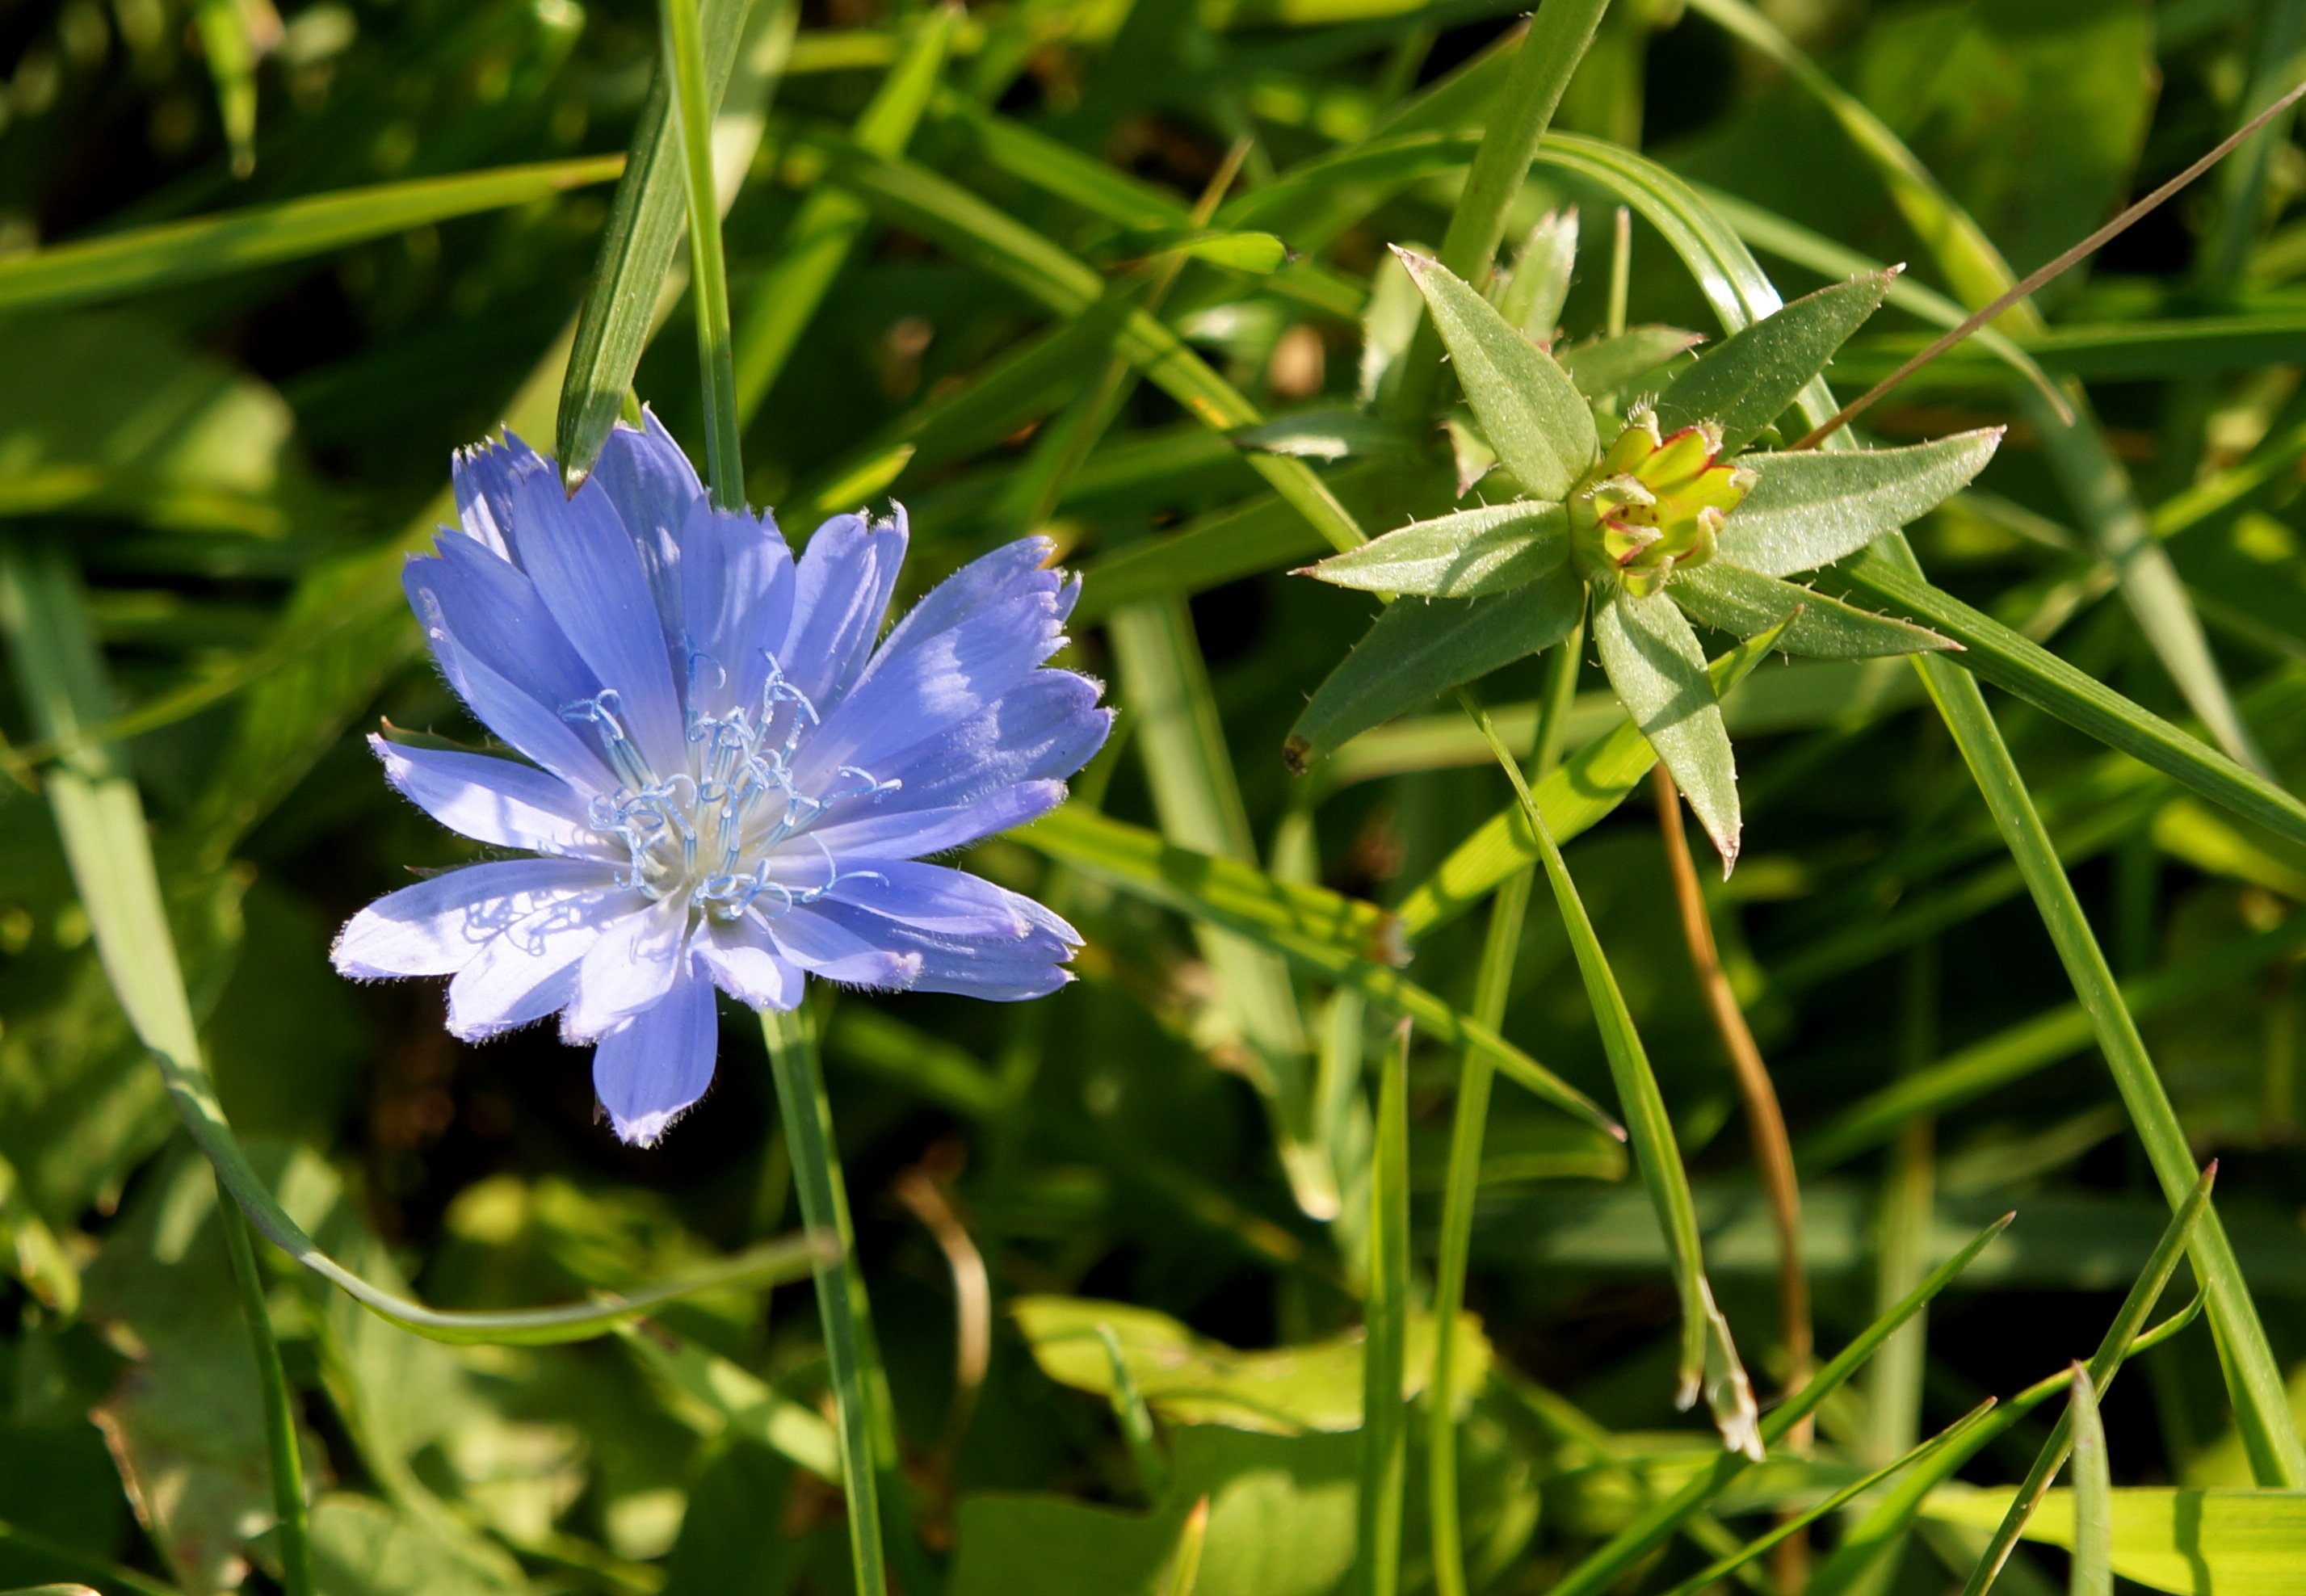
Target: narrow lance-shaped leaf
{"x":1607,"y":366}
{"x":1709,"y":1357}
{"x":1659,"y":672}
{"x":1420,"y":648}
{"x":1542,"y":270}
{"x":1737,"y":600}
{"x":1461,"y":556}
{"x":1753,"y":376}
{"x":1532,"y":413}
{"x":1811,"y":508}
{"x":2093,"y":1568}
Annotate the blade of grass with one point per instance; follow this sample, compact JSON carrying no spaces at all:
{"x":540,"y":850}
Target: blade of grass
{"x":1185,"y":1561}
{"x":142,"y":260}
{"x":229,"y":35}
{"x":1709,"y":1361}
{"x":694,"y":99}
{"x":817,"y":241}
{"x":2093,"y":1567}
{"x":1603,"y":1567}
{"x":1384,"y":1417}
{"x":2158,"y":1269}
{"x":294,"y":1527}
{"x":102,"y":819}
{"x":1492,"y":986}
{"x":1549,"y":51}
{"x":865,"y":1420}
{"x":1136,"y":1421}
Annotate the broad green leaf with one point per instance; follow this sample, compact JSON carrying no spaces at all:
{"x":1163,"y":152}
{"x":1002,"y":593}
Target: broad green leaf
{"x":1659,"y":672}
{"x":2019,"y":666}
{"x":1607,"y":366}
{"x":1747,"y":382}
{"x":1814,"y":508}
{"x":143,"y":259}
{"x":1419,"y":648}
{"x":648,"y":221}
{"x":1191,"y":1379}
{"x":2190,"y":1542}
{"x":1572,"y":799}
{"x":1732,"y":599}
{"x":1532,"y":414}
{"x":364,"y":1546}
{"x":1542,"y":270}
{"x":1325,"y":435}
{"x":1462,"y":556}
{"x":2093,"y":1495}
{"x":1353,"y":943}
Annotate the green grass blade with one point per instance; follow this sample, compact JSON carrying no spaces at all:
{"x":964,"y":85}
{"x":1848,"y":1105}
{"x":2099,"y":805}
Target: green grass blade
{"x":645,"y":225}
{"x":145,"y":259}
{"x":1709,"y":1357}
{"x":1572,"y":798}
{"x":102,"y":819}
{"x":748,"y":1405}
{"x":1603,"y":1567}
{"x":227,"y":35}
{"x":865,"y":1422}
{"x":1136,"y":1421}
{"x":1352,"y":943}
{"x":2144,"y":1293}
{"x":817,"y":241}
{"x":293,"y":1531}
{"x":1385,"y":1416}
{"x":695,"y":97}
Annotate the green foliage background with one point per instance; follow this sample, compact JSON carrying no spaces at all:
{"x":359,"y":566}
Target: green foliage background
{"x":216,"y":443}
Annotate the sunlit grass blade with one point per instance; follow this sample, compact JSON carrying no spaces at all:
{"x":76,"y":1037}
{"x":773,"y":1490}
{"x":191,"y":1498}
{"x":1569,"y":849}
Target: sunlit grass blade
{"x":142,"y":260}
{"x":102,"y":819}
{"x":685,"y":67}
{"x":647,"y":223}
{"x":1573,"y":799}
{"x":816,"y":244}
{"x":2151,"y":1280}
{"x":1709,"y":1364}
{"x":1385,"y":1416}
{"x":865,"y":1422}
{"x":292,"y":1526}
{"x":2093,"y":1568}
{"x":1602,"y":1567}
{"x":745,"y":1403}
{"x":1136,"y":1421}
{"x":229,"y":37}
{"x":1350,"y":943}
{"x":1185,"y":1575}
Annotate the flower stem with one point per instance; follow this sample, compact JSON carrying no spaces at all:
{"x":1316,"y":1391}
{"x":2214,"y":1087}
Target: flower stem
{"x":279,"y":1418}
{"x":1550,"y":52}
{"x":1492,"y":985}
{"x":867,"y":1428}
{"x":684,"y":64}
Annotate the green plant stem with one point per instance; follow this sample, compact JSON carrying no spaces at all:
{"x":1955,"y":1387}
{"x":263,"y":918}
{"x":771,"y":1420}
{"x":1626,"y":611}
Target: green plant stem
{"x":867,"y":1426}
{"x":287,"y":1463}
{"x":1385,"y":1430}
{"x":1492,"y":986}
{"x":684,"y":61}
{"x":1556,"y":40}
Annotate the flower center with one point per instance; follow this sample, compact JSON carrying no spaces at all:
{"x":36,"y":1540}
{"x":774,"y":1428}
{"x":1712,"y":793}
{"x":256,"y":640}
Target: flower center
{"x":1654,"y":504}
{"x":718,"y":830}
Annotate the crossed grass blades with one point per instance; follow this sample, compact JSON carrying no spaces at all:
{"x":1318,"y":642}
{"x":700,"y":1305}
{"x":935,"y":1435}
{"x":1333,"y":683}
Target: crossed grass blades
{"x":1679,"y":519}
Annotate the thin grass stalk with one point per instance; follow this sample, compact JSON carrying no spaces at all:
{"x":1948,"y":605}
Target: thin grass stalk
{"x":1385,"y":1427}
{"x":1492,"y":986}
{"x":1558,"y":37}
{"x":287,"y":1461}
{"x":867,"y":1426}
{"x":684,"y":63}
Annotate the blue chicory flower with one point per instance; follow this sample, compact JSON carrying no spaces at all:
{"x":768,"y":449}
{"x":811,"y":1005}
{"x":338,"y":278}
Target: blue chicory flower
{"x":731,"y":785}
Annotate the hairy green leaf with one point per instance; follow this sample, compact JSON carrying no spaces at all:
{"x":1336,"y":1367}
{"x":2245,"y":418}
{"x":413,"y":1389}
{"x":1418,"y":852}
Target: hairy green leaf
{"x":1658,"y":672}
{"x":1813,"y":508}
{"x":1460,"y":556}
{"x":1735,"y":599}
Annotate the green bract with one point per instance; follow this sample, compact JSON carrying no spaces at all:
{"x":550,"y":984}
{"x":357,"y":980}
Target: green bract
{"x":1676,"y":520}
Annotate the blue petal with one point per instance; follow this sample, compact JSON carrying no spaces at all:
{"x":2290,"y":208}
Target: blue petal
{"x":483,"y":476}
{"x":916,"y":833}
{"x":1009,"y":570}
{"x":1046,"y":727}
{"x":629,"y":969}
{"x":745,"y":963}
{"x":540,"y":732}
{"x":737,"y":597}
{"x":441,"y":924}
{"x":652,"y":486}
{"x":530,"y":970}
{"x":924,"y":680}
{"x":825,"y":947}
{"x":494,"y":800}
{"x":843,"y":581}
{"x":950,"y":902}
{"x":1003,"y":969}
{"x":590,"y":576}
{"x":495,"y":614}
{"x":650,"y":1070}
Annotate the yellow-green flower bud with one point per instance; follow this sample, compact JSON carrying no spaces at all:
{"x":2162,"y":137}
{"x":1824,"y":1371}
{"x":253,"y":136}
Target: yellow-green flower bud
{"x":1654,"y":504}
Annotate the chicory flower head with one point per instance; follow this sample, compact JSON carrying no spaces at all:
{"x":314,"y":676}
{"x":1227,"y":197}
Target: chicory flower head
{"x":731,"y":785}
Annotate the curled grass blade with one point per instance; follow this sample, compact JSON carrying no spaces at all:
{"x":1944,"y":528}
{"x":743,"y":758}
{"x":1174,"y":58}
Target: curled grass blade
{"x":107,"y":844}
